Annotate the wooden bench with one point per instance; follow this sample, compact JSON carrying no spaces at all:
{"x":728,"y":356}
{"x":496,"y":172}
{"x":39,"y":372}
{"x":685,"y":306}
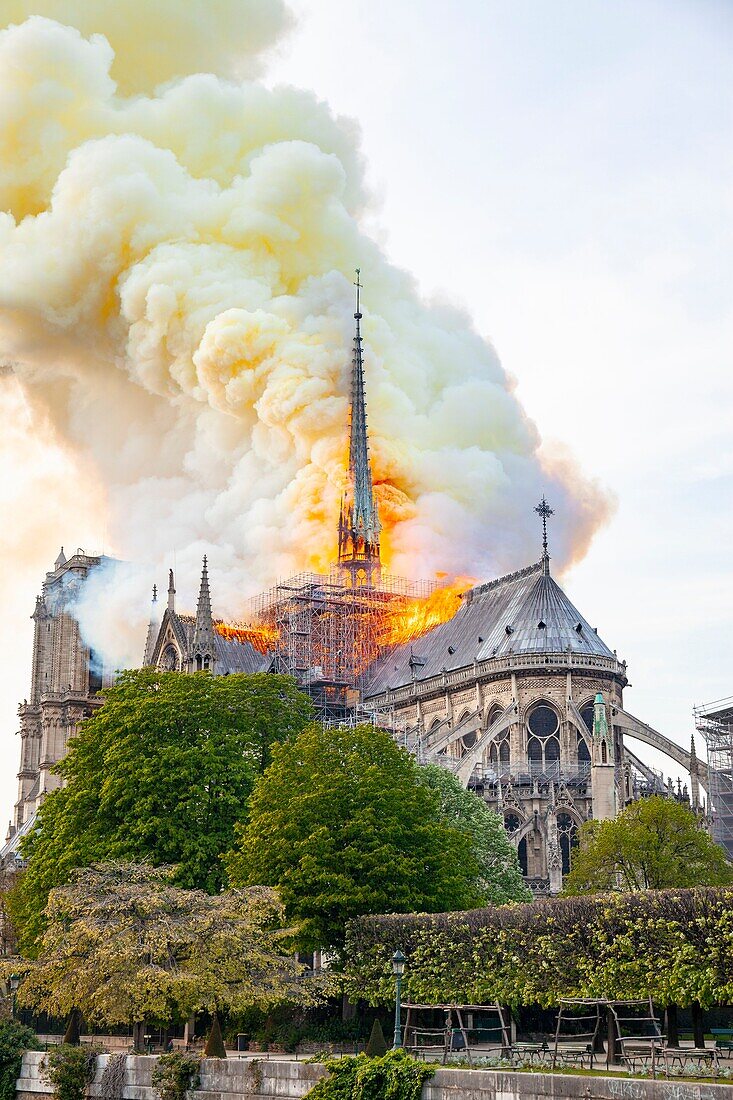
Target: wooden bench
{"x":723,"y":1038}
{"x":641,"y":1051}
{"x":573,"y":1054}
{"x":681,"y":1056}
{"x":533,"y":1053}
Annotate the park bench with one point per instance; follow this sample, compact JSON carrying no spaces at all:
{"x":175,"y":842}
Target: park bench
{"x":641,"y":1051}
{"x":723,"y":1038}
{"x":531,"y":1053}
{"x":573,"y":1054}
{"x":697,"y":1056}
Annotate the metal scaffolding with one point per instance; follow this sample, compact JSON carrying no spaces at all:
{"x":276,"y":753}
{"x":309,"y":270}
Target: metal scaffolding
{"x":327,"y":634}
{"x":715,"y":723}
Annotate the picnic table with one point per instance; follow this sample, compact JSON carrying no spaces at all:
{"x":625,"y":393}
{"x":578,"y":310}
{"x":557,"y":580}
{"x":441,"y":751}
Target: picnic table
{"x":681,"y":1056}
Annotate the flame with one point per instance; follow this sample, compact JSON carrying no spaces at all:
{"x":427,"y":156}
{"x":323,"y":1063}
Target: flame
{"x":262,"y":637}
{"x":420,"y":615}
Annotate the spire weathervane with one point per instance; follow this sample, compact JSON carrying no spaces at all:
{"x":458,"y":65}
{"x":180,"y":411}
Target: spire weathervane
{"x":544,"y":510}
{"x":359,"y":525}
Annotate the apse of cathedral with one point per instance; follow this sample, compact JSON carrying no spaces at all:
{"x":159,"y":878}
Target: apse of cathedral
{"x":515,"y":693}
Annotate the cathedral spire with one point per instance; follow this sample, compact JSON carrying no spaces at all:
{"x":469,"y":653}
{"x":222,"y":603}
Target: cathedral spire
{"x":171,"y":592}
{"x":544,"y":510}
{"x":359,"y":525}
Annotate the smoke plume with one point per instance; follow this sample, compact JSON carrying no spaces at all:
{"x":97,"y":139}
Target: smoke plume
{"x":176,"y":267}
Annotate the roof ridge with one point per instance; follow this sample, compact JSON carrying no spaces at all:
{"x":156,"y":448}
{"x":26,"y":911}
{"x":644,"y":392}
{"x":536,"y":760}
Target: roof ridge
{"x":526,"y":572}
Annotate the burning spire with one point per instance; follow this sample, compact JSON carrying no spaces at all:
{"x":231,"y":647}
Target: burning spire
{"x":359,"y":525}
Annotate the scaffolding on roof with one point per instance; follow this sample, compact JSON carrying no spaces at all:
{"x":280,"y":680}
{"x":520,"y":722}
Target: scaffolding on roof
{"x":715,"y":722}
{"x":327,"y":634}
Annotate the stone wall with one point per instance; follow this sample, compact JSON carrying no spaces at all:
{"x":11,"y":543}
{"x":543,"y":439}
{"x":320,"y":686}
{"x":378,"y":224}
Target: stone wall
{"x":260,"y":1079}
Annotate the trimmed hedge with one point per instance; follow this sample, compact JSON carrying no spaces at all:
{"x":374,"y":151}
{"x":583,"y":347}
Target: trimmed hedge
{"x":673,"y":945}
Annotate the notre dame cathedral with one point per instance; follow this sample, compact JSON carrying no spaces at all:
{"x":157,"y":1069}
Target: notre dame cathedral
{"x":516,"y":693}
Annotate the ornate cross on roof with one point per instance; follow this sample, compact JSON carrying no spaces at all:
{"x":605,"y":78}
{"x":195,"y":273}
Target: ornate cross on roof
{"x":543,"y":509}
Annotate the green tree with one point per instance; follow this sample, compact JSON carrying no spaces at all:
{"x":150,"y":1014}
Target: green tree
{"x":123,"y":945}
{"x":160,"y":774}
{"x":341,"y":823}
{"x":500,"y":875}
{"x":653,"y":844}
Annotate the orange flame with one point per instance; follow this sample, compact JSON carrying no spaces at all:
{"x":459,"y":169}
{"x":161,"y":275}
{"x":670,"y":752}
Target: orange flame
{"x":419,"y":616}
{"x":262,"y":637}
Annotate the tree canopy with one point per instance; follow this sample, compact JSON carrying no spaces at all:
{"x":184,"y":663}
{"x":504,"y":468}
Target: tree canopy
{"x":160,"y":774}
{"x":342,"y":824}
{"x":124,"y":945}
{"x":500,"y":877}
{"x":653,"y":844}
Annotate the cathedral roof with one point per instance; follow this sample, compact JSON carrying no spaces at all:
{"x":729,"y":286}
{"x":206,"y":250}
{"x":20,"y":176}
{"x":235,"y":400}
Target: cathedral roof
{"x":232,"y":654}
{"x":524,"y":612}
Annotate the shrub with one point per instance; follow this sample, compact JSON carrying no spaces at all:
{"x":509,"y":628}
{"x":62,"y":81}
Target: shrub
{"x":376,"y":1047}
{"x":675,"y":946}
{"x":70,"y":1069}
{"x":14,"y":1040}
{"x":175,"y":1074}
{"x":215,"y":1044}
{"x":395,"y":1076}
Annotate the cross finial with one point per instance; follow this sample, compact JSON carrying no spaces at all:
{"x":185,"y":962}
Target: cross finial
{"x":358,"y":286}
{"x":543,"y":509}
{"x":155,"y":593}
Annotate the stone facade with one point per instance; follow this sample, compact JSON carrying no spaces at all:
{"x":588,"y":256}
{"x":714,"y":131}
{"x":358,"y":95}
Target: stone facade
{"x":65,"y":679}
{"x":522,"y":700}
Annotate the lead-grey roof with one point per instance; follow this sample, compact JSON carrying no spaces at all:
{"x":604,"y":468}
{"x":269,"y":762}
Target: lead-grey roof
{"x":234,"y":656}
{"x":524,"y":612}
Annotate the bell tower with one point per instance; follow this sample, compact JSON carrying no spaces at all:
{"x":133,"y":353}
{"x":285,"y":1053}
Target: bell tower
{"x":359,"y":527}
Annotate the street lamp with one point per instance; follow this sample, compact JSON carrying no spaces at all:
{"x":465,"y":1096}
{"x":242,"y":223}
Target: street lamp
{"x":398,"y":969}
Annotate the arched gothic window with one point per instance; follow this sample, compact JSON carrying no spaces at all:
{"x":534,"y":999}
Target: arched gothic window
{"x":169,"y":660}
{"x":522,"y":856}
{"x":568,"y":834}
{"x":543,"y":744}
{"x":583,"y":750}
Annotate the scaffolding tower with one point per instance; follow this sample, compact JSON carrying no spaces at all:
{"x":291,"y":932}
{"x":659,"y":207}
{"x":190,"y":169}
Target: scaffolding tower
{"x":715,"y":722}
{"x":327,"y":633}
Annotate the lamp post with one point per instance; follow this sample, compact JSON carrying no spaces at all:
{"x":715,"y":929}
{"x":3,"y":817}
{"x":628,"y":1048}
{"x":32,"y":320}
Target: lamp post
{"x":398,"y":969}
{"x":14,"y":983}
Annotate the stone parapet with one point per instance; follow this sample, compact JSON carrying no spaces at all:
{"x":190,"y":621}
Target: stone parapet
{"x":263,"y":1079}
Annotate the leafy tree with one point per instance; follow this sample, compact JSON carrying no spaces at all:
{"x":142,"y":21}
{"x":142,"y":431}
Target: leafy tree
{"x":341,"y":823}
{"x":124,"y":945}
{"x":653,"y":844}
{"x":160,"y":774}
{"x":500,"y":875}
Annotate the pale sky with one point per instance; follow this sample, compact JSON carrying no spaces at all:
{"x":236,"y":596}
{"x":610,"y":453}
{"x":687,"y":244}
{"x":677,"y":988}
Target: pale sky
{"x":564,"y":171}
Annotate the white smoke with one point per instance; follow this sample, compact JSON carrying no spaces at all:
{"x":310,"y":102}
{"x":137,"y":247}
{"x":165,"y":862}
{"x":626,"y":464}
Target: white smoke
{"x":175,"y":291}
